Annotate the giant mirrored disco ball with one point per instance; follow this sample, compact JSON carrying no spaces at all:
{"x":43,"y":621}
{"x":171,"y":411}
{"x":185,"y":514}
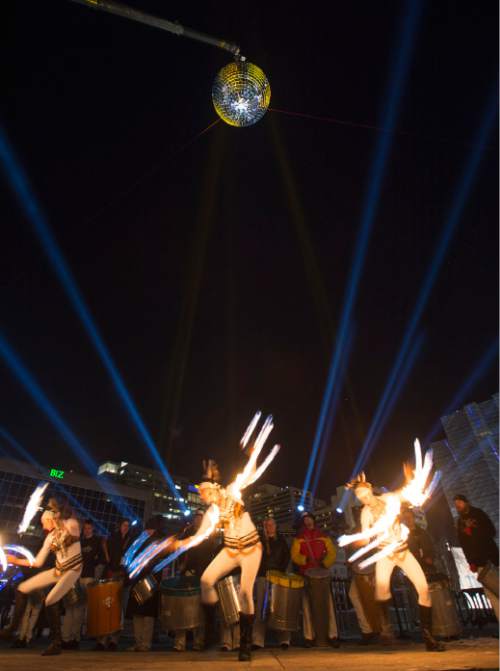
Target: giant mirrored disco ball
{"x":241,"y":94}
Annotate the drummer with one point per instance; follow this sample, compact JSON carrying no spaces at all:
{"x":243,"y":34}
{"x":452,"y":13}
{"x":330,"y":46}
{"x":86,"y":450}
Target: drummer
{"x":143,"y":615}
{"x":193,"y":563}
{"x":114,"y":549}
{"x":63,"y":539}
{"x":313,"y":552}
{"x":75,"y":615}
{"x":275,"y":557}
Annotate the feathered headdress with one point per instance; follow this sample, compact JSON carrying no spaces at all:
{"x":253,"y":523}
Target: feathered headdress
{"x":359,"y":481}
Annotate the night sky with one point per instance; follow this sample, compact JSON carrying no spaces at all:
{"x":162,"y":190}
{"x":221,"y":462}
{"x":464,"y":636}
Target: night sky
{"x":215,"y":265}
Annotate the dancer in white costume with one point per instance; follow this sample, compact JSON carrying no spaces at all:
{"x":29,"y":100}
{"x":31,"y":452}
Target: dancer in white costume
{"x":63,"y":539}
{"x":242,"y":548}
{"x":374,"y":508}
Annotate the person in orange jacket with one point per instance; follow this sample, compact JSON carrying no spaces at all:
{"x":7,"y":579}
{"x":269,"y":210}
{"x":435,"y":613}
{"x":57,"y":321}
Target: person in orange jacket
{"x":314,"y":553}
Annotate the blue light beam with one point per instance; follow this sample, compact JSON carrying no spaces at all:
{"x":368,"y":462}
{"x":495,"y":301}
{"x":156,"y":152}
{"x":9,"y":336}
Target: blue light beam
{"x":406,"y":39}
{"x":461,"y":194}
{"x":20,"y":186}
{"x":325,"y":438}
{"x":33,"y":388}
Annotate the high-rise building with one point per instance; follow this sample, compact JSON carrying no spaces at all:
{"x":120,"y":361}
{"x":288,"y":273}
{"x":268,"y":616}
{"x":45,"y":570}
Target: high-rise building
{"x":468,"y":457}
{"x":163,"y":500}
{"x":281,"y":503}
{"x":89,"y":498}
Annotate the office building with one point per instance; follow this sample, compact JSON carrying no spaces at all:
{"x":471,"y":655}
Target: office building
{"x":281,"y":503}
{"x":164,"y":502}
{"x":89,"y":497}
{"x":468,"y":457}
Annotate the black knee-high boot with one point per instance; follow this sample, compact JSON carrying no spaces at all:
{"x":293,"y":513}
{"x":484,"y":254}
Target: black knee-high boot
{"x":19,"y":607}
{"x":386,"y":633}
{"x":54,"y":618}
{"x":426,"y":624}
{"x":246,"y":629}
{"x":210,"y":613}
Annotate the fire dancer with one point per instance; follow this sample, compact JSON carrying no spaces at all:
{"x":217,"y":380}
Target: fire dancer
{"x":242,"y":548}
{"x":63,"y":539}
{"x":375,"y":508}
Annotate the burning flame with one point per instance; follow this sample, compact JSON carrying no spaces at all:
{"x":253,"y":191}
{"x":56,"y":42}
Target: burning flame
{"x":249,"y":475}
{"x":32,"y":507}
{"x":416,"y":492}
{"x":214,"y":516}
{"x":387,"y":533}
{"x":251,"y":428}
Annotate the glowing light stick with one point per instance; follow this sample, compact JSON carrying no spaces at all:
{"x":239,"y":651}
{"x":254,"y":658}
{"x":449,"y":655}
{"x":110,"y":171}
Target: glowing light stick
{"x":387,"y":550}
{"x":129,"y":554}
{"x":3,"y":560}
{"x":22,"y":551}
{"x":32,"y":507}
{"x":251,"y":428}
{"x":416,"y":492}
{"x":249,"y":475}
{"x":214,"y":515}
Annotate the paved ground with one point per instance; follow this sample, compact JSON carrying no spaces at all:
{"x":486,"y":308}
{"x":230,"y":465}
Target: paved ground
{"x":468,"y":654}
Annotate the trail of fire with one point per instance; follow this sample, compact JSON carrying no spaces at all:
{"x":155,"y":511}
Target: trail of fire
{"x":242,"y":480}
{"x":32,"y":507}
{"x":387,"y":533}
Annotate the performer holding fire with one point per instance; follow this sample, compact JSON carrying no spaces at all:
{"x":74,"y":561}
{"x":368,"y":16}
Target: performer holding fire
{"x":63,"y":539}
{"x":242,"y":546}
{"x":380,"y":522}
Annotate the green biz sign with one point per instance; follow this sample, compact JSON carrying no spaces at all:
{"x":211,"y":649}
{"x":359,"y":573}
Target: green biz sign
{"x":55,"y":473}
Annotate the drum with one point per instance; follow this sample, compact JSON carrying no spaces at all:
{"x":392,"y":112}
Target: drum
{"x":144,"y":589}
{"x":445,"y":620}
{"x":284,"y":598}
{"x":104,"y":607}
{"x":75,"y":596}
{"x":488,"y":577}
{"x":228,"y":591}
{"x":180,"y":603}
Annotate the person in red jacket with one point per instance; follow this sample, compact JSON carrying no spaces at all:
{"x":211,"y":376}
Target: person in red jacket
{"x":314,"y":553}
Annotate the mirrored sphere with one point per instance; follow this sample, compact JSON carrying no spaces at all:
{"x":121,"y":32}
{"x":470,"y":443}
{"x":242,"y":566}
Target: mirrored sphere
{"x":241,"y":94}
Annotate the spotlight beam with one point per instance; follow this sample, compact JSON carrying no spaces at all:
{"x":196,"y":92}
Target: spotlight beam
{"x":325,"y":438}
{"x":404,"y":374}
{"x":384,"y":142}
{"x":23,"y":452}
{"x":462,"y":192}
{"x":155,"y":22}
{"x":20,"y":186}
{"x":33,"y":388}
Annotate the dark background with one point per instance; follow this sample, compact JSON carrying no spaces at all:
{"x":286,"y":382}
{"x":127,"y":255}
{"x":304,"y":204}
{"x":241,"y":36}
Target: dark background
{"x":100,"y":111}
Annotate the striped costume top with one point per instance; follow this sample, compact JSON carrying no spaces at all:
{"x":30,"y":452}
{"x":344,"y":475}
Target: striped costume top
{"x":239,"y":531}
{"x":64,"y":542}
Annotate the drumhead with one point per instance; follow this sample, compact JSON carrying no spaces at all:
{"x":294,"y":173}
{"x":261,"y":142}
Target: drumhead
{"x":291,"y":580}
{"x":318,"y":573}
